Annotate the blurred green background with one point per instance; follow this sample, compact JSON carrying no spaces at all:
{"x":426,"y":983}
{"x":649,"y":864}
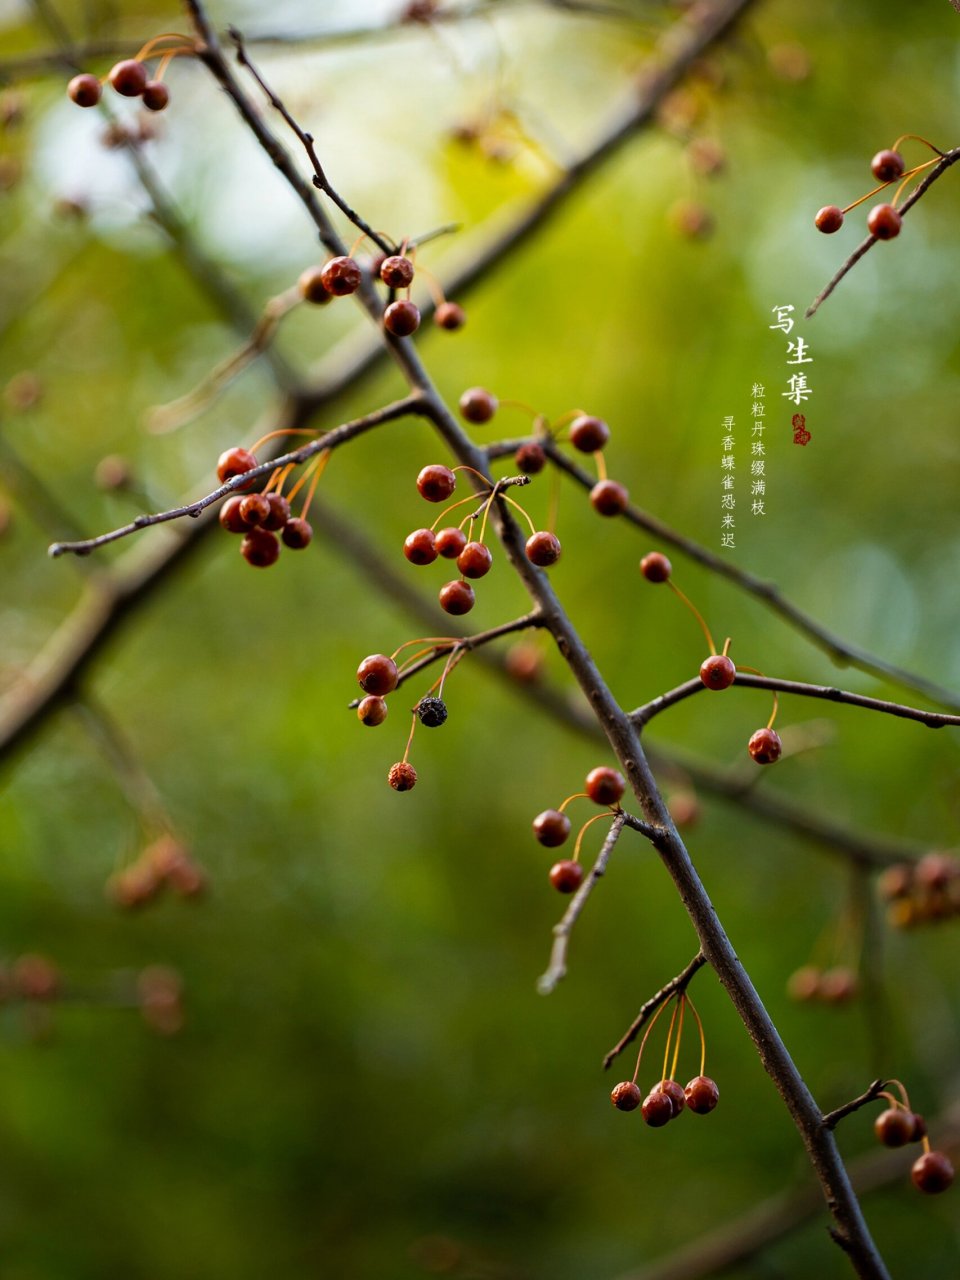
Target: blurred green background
{"x":367,"y":1083}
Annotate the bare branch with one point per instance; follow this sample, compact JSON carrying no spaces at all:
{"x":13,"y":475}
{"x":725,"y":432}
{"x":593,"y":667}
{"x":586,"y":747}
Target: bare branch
{"x":833,"y":1118}
{"x":671,"y":988}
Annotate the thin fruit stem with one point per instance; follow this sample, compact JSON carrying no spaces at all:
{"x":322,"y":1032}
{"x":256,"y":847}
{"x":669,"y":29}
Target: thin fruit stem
{"x":473,"y":471}
{"x":456,"y":655}
{"x":453,"y":506}
{"x":533,"y":528}
{"x":308,"y":471}
{"x":910,"y":174}
{"x":646,"y":1037}
{"x":577,"y":795}
{"x":410,"y":739}
{"x":186,"y":45}
{"x":523,"y":406}
{"x":283,"y":431}
{"x":696,"y":613}
{"x":666,"y":1052}
{"x":583,"y":830}
{"x":486,"y":512}
{"x":601,"y":465}
{"x":554,"y":504}
{"x":322,"y":461}
{"x":676,"y":1048}
{"x":433,"y":641}
{"x":904,"y":137}
{"x":726,"y":645}
{"x":703,"y":1038}
{"x":409,"y":662}
{"x":773,"y":713}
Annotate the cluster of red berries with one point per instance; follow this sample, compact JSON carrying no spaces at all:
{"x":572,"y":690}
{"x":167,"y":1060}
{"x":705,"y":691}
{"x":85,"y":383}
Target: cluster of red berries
{"x":604,"y":786}
{"x":164,"y":863}
{"x":260,"y":517}
{"x":884,"y":220}
{"x":899,"y":1126}
{"x":829,"y":986}
{"x":343,"y":275}
{"x":378,"y":675}
{"x":921,"y":892}
{"x":667,"y":1099}
{"x":436,"y":483}
{"x":130,"y":78}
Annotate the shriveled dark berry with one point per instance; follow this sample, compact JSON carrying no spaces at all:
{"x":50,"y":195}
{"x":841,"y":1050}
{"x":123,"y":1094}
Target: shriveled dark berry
{"x":609,"y":498}
{"x":255,"y":508}
{"x":311,"y":286}
{"x":551,"y":828}
{"x":566,"y":876}
{"x":655,"y":567}
{"x":341,"y":276}
{"x":297,"y":534}
{"x":625,"y":1096}
{"x":85,"y":90}
{"x":588,"y":434}
{"x":887,"y":165}
{"x":674,"y":1092}
{"x":155,"y":95}
{"x":829,"y":219}
{"x":260,"y":548}
{"x":129,"y":78}
{"x":718,"y":671}
{"x":457,"y":597}
{"x":436,"y":482}
{"x":702,"y":1095}
{"x":932,"y":1173}
{"x":432,"y":712}
{"x":278,"y":514}
{"x":543,"y":548}
{"x":234,"y":462}
{"x":765,"y":746}
{"x":450,"y":316}
{"x":605,"y":785}
{"x":377,"y":674}
{"x":894,"y":1127}
{"x":657,"y":1109}
{"x":420,"y":547}
{"x":474,"y":560}
{"x":450,"y":542}
{"x":230,"y":517}
{"x":884,"y":222}
{"x":396,"y":271}
{"x":530,"y":458}
{"x":477,"y":405}
{"x":402,"y":776}
{"x":402,"y":318}
{"x":372,"y":710}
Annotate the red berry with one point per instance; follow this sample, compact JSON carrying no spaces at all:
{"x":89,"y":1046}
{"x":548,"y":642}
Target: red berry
{"x":530,"y":458}
{"x":718,"y":671}
{"x":765,"y":746}
{"x":230,"y":517}
{"x":625,"y":1096}
{"x":608,"y":498}
{"x":829,"y":219}
{"x":837,"y":985}
{"x":254,"y":508}
{"x":804,"y":983}
{"x":702,"y":1095}
{"x":260,"y":548}
{"x":566,"y":876}
{"x":377,"y":674}
{"x":655,"y":567}
{"x":674,"y":1092}
{"x":884,"y":222}
{"x":932,"y":1173}
{"x":311,"y":286}
{"x":85,"y":90}
{"x":551,"y":828}
{"x":279,"y":512}
{"x":402,"y":776}
{"x":420,"y":547}
{"x":543,"y":549}
{"x":297,"y":534}
{"x":129,"y":78}
{"x":474,"y":560}
{"x":35,"y":977}
{"x":934,"y":871}
{"x":341,"y":276}
{"x":372,"y":710}
{"x":657,"y":1109}
{"x":156,"y":95}
{"x":605,"y":785}
{"x":436,"y":483}
{"x":894,"y":1127}
{"x":919,"y":1128}
{"x":450,"y":542}
{"x":477,"y":405}
{"x":234,"y":462}
{"x":450,"y":316}
{"x":402,"y":318}
{"x":396,"y":271}
{"x":457,"y":597}
{"x":887,"y":166}
{"x":588,"y":434}
{"x":895,"y":881}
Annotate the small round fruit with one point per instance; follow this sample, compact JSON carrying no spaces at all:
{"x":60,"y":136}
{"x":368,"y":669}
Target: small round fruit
{"x":657,"y":1109}
{"x":341,"y":276}
{"x":702,"y":1095}
{"x":436,"y":483}
{"x":474,"y":560}
{"x":543,"y":549}
{"x":566,"y":876}
{"x":524,"y":662}
{"x":432,"y":712}
{"x":230,"y":517}
{"x":718,"y":671}
{"x":457,"y":597}
{"x":887,"y":166}
{"x":377,"y":674}
{"x":588,"y":434}
{"x":655,"y":567}
{"x":254,"y":508}
{"x":674,"y":1092}
{"x":895,"y":882}
{"x":450,"y":316}
{"x":609,"y":498}
{"x":372,"y":710}
{"x":450,"y":542}
{"x":396,"y":271}
{"x":551,"y":828}
{"x":837,"y":985}
{"x":297,"y":534}
{"x":420,"y":547}
{"x":234,"y":462}
{"x":129,"y":78}
{"x":311,"y":286}
{"x":85,"y":90}
{"x":402,"y":318}
{"x":156,"y":95}
{"x":919,"y":1127}
{"x":932,"y":1173}
{"x":829,"y":219}
{"x":765,"y":746}
{"x":625,"y":1096}
{"x":402,"y":776}
{"x":530,"y":458}
{"x":278,"y":514}
{"x":477,"y":405}
{"x":894,"y":1127}
{"x":605,"y":785}
{"x":260,"y":548}
{"x":804,"y":983}
{"x":884,"y":222}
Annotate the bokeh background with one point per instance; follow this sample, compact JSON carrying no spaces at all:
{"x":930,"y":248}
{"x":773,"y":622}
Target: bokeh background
{"x":367,"y":1083}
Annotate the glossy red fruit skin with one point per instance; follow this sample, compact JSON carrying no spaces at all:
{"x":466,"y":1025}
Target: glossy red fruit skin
{"x":932,"y":1173}
{"x":887,"y":166}
{"x":254,"y":508}
{"x":402,"y":776}
{"x":260,"y":548}
{"x":543,"y":549}
{"x":420,"y":547}
{"x":457,"y":597}
{"x":894,"y":1127}
{"x":475,"y":560}
{"x":609,"y":498}
{"x":450,"y":316}
{"x":566,"y":876}
{"x":829,"y":219}
{"x":155,"y":95}
{"x":129,"y":78}
{"x":341,"y":276}
{"x":588,"y":434}
{"x":85,"y":90}
{"x":718,"y":671}
{"x":674,"y":1092}
{"x":396,"y":271}
{"x":702,"y":1095}
{"x":625,"y":1096}
{"x":884,"y":222}
{"x":402,"y":318}
{"x":230,"y":517}
{"x":234,"y":462}
{"x":450,"y":542}
{"x":297,"y":534}
{"x":530,"y":458}
{"x":657,"y":1109}
{"x":605,"y":785}
{"x":377,"y":674}
{"x":765,"y":746}
{"x":278,"y":514}
{"x":436,"y":482}
{"x":372,"y":710}
{"x":551,"y":828}
{"x":311,"y":286}
{"x":478,"y":405}
{"x":655,"y":567}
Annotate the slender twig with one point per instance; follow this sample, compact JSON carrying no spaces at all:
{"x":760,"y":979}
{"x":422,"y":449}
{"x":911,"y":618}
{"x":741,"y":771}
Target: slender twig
{"x":137,"y":785}
{"x":647,"y":1010}
{"x":833,"y":1118}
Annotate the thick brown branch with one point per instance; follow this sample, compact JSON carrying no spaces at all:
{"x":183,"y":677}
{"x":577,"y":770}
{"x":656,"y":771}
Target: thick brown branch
{"x":647,"y":1010}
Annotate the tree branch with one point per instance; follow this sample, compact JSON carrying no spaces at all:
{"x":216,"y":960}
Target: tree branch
{"x":671,"y":988}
